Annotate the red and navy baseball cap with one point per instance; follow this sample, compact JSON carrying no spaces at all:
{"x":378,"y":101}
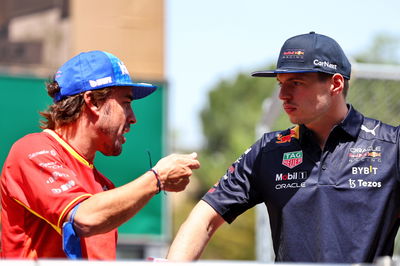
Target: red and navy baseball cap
{"x":96,"y":70}
{"x":310,"y":52}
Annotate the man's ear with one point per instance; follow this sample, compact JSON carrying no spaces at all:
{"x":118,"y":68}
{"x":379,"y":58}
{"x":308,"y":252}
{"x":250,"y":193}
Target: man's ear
{"x":337,"y":84}
{"x":90,"y":103}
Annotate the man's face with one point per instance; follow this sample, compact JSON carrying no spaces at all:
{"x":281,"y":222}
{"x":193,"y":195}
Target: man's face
{"x":306,"y":99}
{"x":116,"y":115}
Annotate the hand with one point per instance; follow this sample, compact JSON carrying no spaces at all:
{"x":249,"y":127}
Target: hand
{"x":175,"y":169}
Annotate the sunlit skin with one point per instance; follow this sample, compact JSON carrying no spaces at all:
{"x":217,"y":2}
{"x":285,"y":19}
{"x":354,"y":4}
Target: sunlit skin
{"x":101,"y":127}
{"x":116,"y":116}
{"x":318,"y":104}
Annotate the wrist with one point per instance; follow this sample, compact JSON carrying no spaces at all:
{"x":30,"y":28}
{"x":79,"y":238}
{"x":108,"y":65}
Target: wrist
{"x":157,"y":177}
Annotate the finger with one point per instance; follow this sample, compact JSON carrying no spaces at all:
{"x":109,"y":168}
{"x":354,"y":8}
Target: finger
{"x":192,"y":155}
{"x":188,"y":162}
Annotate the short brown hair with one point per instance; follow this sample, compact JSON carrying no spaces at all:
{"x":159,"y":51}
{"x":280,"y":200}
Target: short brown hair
{"x":324,"y":76}
{"x":68,"y":109}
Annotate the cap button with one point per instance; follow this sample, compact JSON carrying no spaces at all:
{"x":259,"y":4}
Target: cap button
{"x":312,"y":32}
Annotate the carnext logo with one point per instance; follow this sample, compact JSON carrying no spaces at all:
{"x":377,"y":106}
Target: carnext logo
{"x":324,"y":64}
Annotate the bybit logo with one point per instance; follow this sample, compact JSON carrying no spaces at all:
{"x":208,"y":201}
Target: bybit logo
{"x":364,"y":170}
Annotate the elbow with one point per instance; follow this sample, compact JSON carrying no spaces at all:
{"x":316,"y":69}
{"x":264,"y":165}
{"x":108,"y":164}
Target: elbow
{"x":90,"y":226}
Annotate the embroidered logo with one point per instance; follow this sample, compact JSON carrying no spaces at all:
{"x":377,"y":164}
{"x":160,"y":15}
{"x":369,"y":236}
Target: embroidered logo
{"x":292,"y":159}
{"x":372,"y":131}
{"x":294,"y":133}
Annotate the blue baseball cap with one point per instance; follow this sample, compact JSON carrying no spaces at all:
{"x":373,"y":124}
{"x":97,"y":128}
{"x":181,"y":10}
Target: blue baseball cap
{"x":96,"y":70}
{"x":310,"y":53}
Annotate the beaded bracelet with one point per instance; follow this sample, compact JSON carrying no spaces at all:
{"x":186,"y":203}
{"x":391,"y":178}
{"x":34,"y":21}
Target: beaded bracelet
{"x":158,"y":179}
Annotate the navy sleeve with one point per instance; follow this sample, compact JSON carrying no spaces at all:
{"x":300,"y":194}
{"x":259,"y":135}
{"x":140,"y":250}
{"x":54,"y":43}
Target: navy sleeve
{"x":235,"y":192}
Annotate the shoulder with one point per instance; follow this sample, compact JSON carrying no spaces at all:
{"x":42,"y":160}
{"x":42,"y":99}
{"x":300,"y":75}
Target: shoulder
{"x":376,"y":129}
{"x":32,"y":144}
{"x":279,"y":138}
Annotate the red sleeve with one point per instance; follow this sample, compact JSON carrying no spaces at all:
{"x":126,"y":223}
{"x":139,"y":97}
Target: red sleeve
{"x":38,"y":178}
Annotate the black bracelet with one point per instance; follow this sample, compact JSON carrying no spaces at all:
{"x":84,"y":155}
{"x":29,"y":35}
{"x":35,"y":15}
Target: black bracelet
{"x":158,"y":179}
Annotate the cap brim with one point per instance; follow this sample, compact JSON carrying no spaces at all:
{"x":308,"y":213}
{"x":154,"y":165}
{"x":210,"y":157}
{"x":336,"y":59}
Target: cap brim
{"x":141,"y":90}
{"x":273,"y":73}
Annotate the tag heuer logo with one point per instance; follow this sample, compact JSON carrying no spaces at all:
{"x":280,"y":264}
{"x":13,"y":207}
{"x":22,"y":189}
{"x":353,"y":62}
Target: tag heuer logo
{"x":292,"y":159}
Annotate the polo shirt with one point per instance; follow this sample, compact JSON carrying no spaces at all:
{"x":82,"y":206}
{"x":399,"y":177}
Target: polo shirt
{"x":336,"y":205}
{"x":43,"y":178}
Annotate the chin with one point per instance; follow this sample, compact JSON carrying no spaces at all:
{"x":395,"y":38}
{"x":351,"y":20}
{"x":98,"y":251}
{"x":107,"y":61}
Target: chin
{"x":114,"y":152}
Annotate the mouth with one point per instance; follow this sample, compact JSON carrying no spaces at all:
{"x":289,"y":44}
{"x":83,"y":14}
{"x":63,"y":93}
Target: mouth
{"x":289,"y":108}
{"x":125,"y":131}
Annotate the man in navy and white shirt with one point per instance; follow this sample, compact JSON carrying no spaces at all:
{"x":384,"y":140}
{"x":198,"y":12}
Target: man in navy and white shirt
{"x":330,"y":183}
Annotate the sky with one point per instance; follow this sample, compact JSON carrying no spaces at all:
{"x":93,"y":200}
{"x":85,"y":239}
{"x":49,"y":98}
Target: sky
{"x":210,"y":40}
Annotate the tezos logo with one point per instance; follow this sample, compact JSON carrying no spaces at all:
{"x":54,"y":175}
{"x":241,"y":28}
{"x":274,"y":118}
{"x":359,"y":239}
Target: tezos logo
{"x":353,"y":183}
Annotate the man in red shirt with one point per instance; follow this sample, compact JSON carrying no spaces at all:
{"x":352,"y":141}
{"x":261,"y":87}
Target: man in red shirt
{"x":50,"y":190}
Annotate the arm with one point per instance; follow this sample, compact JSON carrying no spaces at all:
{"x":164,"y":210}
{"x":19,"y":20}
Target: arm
{"x":109,"y":209}
{"x":195,"y":233}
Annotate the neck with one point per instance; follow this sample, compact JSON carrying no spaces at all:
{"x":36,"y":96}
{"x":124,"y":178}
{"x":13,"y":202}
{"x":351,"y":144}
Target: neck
{"x":323,"y":127}
{"x":78,"y":136}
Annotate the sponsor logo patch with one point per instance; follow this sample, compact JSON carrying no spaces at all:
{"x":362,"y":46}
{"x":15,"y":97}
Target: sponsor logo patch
{"x":292,"y":159}
{"x":364,"y":170}
{"x":51,"y":165}
{"x":99,"y":82}
{"x":213,"y":188}
{"x":354,"y":183}
{"x":64,"y":187}
{"x":123,"y":68}
{"x":372,"y":154}
{"x":367,"y":130}
{"x":324,"y":64}
{"x":294,"y":133}
{"x":43,"y":152}
{"x":291,"y":176}
{"x":293,"y":54}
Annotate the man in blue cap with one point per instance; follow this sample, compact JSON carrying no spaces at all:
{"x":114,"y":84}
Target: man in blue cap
{"x":55,"y":204}
{"x":330,"y":183}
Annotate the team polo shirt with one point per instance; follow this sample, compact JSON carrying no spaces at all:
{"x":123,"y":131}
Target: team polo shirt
{"x":338,"y":205}
{"x":43,"y":178}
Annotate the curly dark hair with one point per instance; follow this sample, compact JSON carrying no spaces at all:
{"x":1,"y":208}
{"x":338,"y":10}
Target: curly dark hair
{"x":69,"y":109}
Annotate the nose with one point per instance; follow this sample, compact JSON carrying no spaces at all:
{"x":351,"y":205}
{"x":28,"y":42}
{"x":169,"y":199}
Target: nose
{"x":284,"y":93}
{"x":131,"y":117}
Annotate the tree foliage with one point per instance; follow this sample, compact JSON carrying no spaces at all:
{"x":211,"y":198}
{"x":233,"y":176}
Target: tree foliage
{"x":384,"y":49}
{"x":234,"y":108}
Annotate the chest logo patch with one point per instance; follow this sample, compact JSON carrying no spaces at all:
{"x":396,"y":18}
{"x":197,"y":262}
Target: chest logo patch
{"x":292,"y":159}
{"x":372,"y":131}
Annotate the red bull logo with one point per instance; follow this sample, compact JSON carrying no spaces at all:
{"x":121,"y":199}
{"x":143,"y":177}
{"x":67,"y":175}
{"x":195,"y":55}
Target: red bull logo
{"x":294,"y":133}
{"x":293,"y":52}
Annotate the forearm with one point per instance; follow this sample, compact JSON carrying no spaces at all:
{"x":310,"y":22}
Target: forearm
{"x":109,"y":209}
{"x":189,"y":243}
{"x":195,"y":233}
